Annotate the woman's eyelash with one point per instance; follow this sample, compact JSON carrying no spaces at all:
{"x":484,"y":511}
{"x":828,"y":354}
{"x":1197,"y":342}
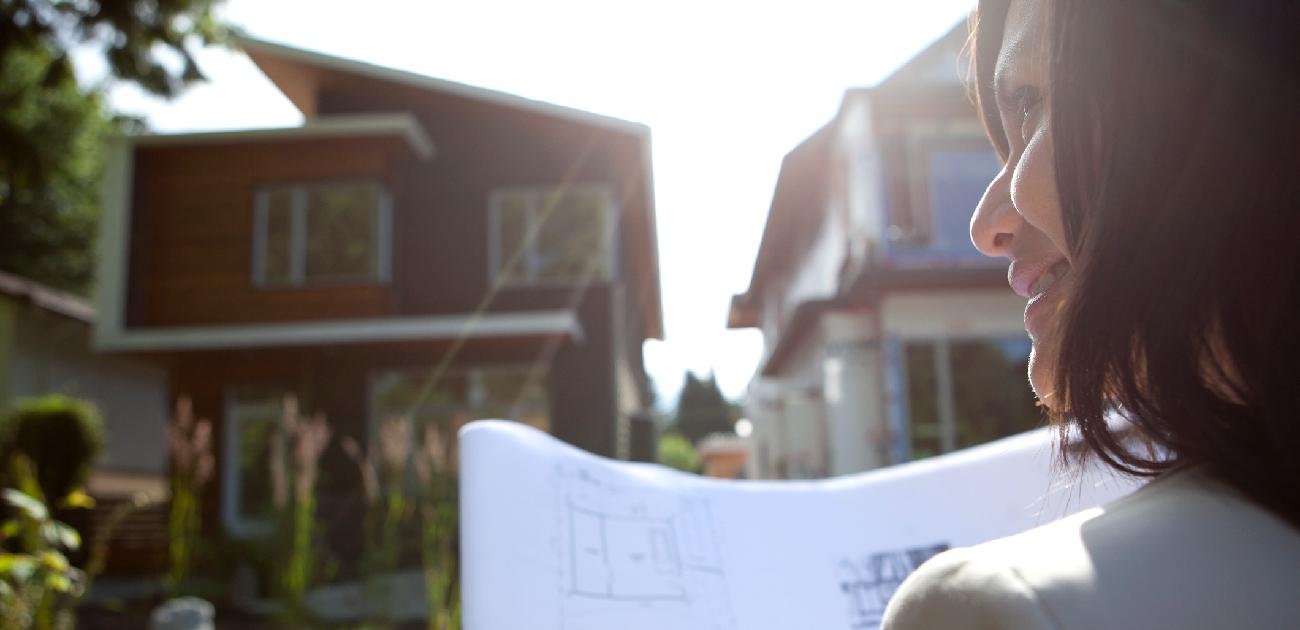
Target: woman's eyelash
{"x":1026,"y":98}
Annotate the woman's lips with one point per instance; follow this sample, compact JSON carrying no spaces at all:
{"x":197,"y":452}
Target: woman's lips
{"x":1037,"y":281}
{"x":1045,"y":292}
{"x":1025,"y":276}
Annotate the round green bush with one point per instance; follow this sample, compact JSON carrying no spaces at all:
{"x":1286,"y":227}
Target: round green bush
{"x":62,"y":436}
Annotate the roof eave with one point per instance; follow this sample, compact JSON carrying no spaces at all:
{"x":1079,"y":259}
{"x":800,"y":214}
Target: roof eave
{"x":402,"y":125}
{"x":254,"y":47}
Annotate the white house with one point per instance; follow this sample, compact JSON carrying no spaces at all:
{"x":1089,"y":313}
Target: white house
{"x":887,"y":336}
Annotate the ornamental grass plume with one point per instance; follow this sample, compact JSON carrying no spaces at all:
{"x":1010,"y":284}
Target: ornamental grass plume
{"x":394,"y":446}
{"x":189,"y":441}
{"x":366,"y":467}
{"x":312,"y":439}
{"x":431,"y":458}
{"x":307,"y":439}
{"x":437,"y":529}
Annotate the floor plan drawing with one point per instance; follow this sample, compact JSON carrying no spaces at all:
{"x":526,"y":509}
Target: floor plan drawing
{"x":868,"y":582}
{"x":638,"y":558}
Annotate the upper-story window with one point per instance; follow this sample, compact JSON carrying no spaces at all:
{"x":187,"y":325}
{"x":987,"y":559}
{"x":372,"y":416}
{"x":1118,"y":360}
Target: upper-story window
{"x":947,"y":172}
{"x":556,"y":235}
{"x":322,"y":233}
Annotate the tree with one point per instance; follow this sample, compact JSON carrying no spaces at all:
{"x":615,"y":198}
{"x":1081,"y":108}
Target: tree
{"x":702,"y":410}
{"x":51,"y":164}
{"x":52,"y":131}
{"x":676,"y":451}
{"x":145,"y":42}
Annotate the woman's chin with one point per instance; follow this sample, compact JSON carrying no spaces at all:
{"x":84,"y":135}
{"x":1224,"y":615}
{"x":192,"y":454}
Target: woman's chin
{"x":1042,"y":376}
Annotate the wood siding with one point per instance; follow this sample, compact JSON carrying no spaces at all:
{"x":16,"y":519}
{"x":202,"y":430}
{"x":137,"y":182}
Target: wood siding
{"x":192,"y":231}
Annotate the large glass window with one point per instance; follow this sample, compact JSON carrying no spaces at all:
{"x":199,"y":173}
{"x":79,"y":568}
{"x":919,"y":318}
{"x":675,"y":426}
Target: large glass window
{"x":966,"y":392}
{"x":558,"y":235}
{"x":324,"y":232}
{"x":252,"y":420}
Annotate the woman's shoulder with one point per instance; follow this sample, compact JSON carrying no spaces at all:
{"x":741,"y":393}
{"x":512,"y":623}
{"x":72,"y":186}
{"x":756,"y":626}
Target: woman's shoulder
{"x":1183,"y":552}
{"x":985,"y":587}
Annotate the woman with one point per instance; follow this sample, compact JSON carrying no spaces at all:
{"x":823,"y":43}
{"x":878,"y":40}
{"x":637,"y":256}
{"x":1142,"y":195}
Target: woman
{"x":1150,"y":207}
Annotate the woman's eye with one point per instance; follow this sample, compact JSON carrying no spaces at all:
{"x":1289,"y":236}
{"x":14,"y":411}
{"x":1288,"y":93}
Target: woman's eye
{"x":1027,"y":101}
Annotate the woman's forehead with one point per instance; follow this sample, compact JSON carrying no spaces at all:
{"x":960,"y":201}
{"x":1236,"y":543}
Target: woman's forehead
{"x":1023,"y":47}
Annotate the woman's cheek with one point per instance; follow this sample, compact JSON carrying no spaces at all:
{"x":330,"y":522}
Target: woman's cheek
{"x":1033,"y":189}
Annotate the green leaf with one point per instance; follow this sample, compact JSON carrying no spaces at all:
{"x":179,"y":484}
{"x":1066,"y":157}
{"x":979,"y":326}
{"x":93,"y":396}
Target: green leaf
{"x":54,"y":561}
{"x":17,"y":566}
{"x":79,"y":499}
{"x":58,"y":582}
{"x":27,"y":504}
{"x":10,"y":529}
{"x":50,"y":532}
{"x":68,"y":537}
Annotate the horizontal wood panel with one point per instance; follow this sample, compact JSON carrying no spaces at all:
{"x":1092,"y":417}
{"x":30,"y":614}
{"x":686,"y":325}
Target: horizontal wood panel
{"x":192,"y":231}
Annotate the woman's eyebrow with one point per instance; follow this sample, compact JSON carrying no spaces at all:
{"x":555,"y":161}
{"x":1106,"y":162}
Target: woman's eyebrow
{"x":1007,"y":71}
{"x":1003,"y":93}
{"x":1004,"y":74}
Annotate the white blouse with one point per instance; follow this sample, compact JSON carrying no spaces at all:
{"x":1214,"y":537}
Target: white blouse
{"x":1184,"y":552}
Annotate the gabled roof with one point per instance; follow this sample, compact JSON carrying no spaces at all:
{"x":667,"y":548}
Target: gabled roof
{"x":801,"y":181}
{"x":942,"y":63}
{"x":296,"y":72}
{"x":800,"y":188}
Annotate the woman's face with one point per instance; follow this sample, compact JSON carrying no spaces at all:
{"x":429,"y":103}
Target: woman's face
{"x":1020,"y":216}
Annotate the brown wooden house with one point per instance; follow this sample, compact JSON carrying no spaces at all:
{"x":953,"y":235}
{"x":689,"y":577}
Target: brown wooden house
{"x":415,"y":247}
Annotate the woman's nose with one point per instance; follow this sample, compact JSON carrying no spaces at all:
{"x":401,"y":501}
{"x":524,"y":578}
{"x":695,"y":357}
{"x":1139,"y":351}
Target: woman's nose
{"x":996,"y":222}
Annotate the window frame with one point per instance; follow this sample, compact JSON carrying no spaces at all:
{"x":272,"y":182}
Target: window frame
{"x":912,"y":225}
{"x":948,"y":418}
{"x":298,"y":235}
{"x":237,"y":525}
{"x":536,"y":193}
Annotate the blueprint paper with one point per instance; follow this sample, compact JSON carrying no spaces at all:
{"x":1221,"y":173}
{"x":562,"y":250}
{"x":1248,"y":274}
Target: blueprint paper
{"x":555,"y":538}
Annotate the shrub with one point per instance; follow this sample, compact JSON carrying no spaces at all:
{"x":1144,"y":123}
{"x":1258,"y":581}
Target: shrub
{"x":676,"y":451}
{"x":63,"y":436}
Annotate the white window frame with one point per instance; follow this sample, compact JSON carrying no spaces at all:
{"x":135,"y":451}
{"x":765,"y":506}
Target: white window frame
{"x":530,"y":260}
{"x":298,"y":235}
{"x":236,"y":524}
{"x":919,"y":141}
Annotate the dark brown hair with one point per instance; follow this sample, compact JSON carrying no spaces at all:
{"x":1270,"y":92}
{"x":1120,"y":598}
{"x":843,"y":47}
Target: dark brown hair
{"x":1177,"y":134}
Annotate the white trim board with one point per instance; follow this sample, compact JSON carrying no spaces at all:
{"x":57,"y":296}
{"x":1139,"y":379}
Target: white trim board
{"x":114,"y":239}
{"x":396,"y":329}
{"x":236,"y":524}
{"x":335,"y":126}
{"x":361,"y":68}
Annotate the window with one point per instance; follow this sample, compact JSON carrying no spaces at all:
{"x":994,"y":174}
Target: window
{"x":252,"y":420}
{"x":946,"y":175}
{"x":966,"y":392}
{"x":510,"y":392}
{"x":321,"y":233}
{"x":551,"y":236}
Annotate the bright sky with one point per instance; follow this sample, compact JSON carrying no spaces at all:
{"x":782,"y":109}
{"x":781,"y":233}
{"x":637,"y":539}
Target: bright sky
{"x":727,"y":88}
